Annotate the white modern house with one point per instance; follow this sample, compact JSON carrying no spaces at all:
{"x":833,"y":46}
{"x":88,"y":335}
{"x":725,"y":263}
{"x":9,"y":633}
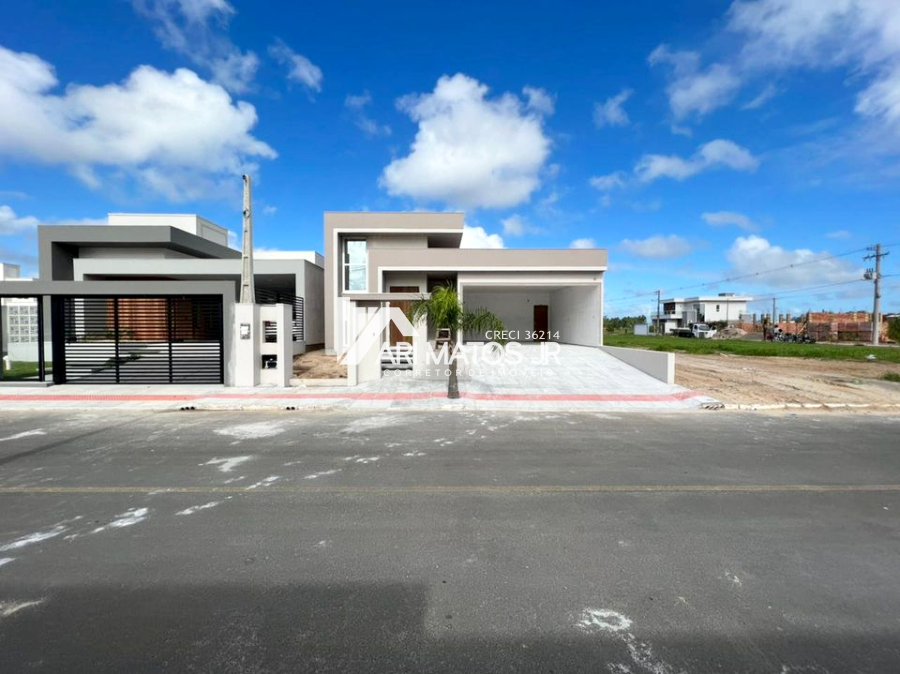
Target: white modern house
{"x":389,"y":259}
{"x":683,"y":312}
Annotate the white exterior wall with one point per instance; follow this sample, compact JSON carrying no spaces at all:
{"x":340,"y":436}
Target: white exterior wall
{"x":575,"y":314}
{"x":727,"y":311}
{"x":515,"y":309}
{"x":313,"y":293}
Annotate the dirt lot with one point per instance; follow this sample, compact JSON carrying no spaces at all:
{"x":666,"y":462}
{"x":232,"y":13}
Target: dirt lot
{"x":759,"y":380}
{"x":318,"y":365}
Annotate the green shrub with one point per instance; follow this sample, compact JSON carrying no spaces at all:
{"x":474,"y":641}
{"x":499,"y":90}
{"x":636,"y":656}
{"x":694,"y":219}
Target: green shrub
{"x":894,"y":329}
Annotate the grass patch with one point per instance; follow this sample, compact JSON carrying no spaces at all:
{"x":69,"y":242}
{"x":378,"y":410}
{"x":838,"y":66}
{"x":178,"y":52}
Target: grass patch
{"x":751,"y":348}
{"x":892,"y":376}
{"x":21,"y":370}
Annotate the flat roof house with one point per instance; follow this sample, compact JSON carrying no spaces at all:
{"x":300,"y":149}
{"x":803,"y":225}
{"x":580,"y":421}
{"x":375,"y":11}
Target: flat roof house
{"x":153,"y":294}
{"x":393,"y":258}
{"x":682,"y":312}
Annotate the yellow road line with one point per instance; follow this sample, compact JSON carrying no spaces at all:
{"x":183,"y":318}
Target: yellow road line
{"x":468,"y":489}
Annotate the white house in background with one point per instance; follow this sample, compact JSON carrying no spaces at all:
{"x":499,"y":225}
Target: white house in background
{"x":18,"y":322}
{"x":682,"y":312}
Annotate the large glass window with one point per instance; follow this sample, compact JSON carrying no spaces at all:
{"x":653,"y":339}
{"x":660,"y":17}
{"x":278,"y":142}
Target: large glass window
{"x":355,"y":265}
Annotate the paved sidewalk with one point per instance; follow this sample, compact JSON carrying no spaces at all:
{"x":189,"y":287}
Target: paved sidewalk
{"x":412,"y":395}
{"x":584,"y":379}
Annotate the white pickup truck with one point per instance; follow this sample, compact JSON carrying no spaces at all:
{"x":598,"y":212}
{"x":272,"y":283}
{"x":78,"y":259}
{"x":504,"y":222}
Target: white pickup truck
{"x":698,"y":330}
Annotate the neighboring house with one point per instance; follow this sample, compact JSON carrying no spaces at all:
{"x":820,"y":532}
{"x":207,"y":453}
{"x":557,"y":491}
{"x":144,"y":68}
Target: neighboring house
{"x":18,"y":323}
{"x":393,"y":258}
{"x":160,"y":290}
{"x":683,"y":312}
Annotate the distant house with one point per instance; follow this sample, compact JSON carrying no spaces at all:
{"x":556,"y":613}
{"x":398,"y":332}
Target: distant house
{"x":682,"y":312}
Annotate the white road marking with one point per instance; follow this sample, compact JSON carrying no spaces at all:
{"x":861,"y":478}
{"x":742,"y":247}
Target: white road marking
{"x":316,"y":476}
{"x":36,"y":537}
{"x":126,"y":519}
{"x":414,"y":454}
{"x":24,"y":434}
{"x":617,"y":624}
{"x":265,"y":481}
{"x":228,"y":464}
{"x":8,"y":608}
{"x":373,"y":423}
{"x":198,"y":508}
{"x":255,"y":431}
{"x":6,"y":560}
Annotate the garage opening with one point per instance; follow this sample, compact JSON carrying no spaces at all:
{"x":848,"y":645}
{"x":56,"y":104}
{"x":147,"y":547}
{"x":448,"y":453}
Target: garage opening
{"x":569,"y":314}
{"x":138,"y":340}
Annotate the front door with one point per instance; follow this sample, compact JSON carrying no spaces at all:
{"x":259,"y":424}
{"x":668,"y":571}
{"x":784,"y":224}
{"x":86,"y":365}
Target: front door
{"x":396,"y":335}
{"x":541,"y":322}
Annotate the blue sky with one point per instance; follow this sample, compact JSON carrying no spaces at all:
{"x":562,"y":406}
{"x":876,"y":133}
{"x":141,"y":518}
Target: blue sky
{"x":697,"y":141}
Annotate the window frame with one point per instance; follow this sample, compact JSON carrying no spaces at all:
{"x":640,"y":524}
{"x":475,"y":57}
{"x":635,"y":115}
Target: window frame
{"x":346,"y":264}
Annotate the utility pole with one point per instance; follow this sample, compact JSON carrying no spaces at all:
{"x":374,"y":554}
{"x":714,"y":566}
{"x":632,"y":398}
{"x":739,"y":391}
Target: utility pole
{"x":248,"y":288}
{"x":658,"y":318}
{"x":875,"y":275}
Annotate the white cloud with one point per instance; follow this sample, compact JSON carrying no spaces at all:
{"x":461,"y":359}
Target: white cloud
{"x":657,"y":247}
{"x":356,"y":104}
{"x":609,"y":181}
{"x":714,"y":154}
{"x":194,"y":29}
{"x":610,"y":112}
{"x":269,"y":210}
{"x":862,"y":34}
{"x":724,"y":218}
{"x":476,"y":237}
{"x":753,"y":254}
{"x":300,"y":68}
{"x":174,"y":133}
{"x":693,"y":91}
{"x":839,"y":234}
{"x":583,"y":244}
{"x":881,"y":99}
{"x":539,"y":100}
{"x":470,"y":150}
{"x":763,"y":97}
{"x":11,"y":224}
{"x":516,"y":225}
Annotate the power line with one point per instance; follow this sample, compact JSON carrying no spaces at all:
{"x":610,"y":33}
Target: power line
{"x":738,"y":278}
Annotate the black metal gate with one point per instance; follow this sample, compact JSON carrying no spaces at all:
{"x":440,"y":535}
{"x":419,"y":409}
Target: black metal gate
{"x":139,"y":340}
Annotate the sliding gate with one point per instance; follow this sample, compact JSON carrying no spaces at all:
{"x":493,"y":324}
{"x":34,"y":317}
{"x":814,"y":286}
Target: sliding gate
{"x":139,"y":340}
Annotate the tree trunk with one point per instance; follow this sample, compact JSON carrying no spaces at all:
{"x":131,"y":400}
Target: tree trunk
{"x":453,"y":384}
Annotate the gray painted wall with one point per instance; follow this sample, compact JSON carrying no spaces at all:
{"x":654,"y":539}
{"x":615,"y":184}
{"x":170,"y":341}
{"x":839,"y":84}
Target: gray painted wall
{"x":657,"y":364}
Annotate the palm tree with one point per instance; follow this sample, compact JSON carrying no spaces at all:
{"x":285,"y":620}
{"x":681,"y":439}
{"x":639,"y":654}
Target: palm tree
{"x":444,"y":311}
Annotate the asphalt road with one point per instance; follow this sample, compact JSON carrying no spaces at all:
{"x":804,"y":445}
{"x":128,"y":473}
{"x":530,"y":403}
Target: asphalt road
{"x":449,"y":542}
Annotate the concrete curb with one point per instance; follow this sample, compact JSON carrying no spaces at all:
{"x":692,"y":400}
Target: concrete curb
{"x":807,"y":406}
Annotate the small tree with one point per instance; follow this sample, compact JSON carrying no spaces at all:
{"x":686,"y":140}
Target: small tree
{"x":443,"y":310}
{"x":894,"y":329}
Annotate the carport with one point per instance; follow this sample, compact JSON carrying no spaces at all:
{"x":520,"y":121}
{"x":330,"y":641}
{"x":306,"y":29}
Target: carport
{"x":559,"y":308}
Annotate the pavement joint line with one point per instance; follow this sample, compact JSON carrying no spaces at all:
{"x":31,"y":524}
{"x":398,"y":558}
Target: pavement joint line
{"x":468,"y":489}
